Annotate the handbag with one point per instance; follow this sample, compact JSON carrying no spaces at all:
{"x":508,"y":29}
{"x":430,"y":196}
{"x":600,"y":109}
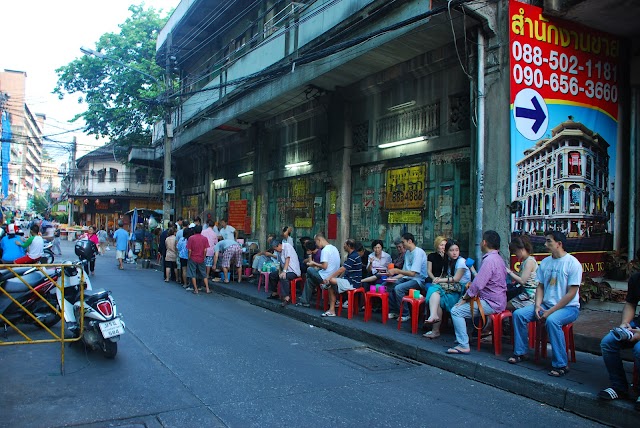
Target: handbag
{"x":451,"y":287}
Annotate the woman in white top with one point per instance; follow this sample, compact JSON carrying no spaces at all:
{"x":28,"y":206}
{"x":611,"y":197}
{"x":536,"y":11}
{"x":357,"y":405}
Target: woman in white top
{"x":377,"y":262}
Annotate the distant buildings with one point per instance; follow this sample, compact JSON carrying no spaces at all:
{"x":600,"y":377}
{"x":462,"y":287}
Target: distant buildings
{"x":563,"y":183}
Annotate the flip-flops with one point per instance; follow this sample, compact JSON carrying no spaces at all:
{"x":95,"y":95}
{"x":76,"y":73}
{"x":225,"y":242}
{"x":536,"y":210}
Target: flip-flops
{"x":515,"y":359}
{"x":431,"y":335}
{"x":458,"y":351}
{"x":559,"y":371}
{"x":328,"y":314}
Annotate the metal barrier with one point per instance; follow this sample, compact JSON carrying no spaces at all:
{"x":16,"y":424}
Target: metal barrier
{"x":40,"y":292}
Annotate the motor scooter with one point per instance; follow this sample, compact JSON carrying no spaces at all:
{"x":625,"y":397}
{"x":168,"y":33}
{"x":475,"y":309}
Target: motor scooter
{"x":102,"y":325}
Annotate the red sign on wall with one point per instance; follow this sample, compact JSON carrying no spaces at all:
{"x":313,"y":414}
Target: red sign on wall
{"x":238,"y":213}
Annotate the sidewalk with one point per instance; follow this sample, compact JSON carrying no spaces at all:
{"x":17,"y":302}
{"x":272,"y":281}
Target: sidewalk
{"x":575,"y":393}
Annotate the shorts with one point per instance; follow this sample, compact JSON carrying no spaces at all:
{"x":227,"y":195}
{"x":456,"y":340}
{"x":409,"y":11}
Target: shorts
{"x":233,"y":252}
{"x":208,"y":261}
{"x":520,"y":302}
{"x":120,"y":254}
{"x":196,"y":270}
{"x":342,"y":285}
{"x":169,"y":264}
{"x":184,"y":263}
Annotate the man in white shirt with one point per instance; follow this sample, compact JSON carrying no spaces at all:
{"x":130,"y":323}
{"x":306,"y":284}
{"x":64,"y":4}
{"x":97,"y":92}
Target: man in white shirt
{"x":412,"y":275}
{"x":227,"y":231}
{"x":318,"y":272}
{"x":289,"y":270}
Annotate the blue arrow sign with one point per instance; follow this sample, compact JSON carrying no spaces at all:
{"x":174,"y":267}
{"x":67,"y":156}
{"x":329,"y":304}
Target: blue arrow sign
{"x":537,"y":114}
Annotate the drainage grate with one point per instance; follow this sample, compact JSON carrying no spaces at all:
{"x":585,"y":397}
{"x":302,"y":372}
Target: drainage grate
{"x":373,"y":360}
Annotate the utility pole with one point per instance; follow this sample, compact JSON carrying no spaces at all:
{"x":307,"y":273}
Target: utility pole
{"x":72,"y":167}
{"x":168,"y":188}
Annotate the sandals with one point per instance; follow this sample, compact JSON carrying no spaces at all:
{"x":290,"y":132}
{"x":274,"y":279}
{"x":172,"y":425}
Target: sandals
{"x":328,"y":314}
{"x":515,"y":359}
{"x":431,"y":335}
{"x":559,"y":372}
{"x":610,"y":394}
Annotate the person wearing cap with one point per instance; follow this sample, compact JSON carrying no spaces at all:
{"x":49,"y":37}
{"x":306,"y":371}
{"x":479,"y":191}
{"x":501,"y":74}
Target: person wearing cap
{"x":289,"y":270}
{"x":34,"y":245}
{"x":231,"y":250}
{"x":9,"y":250}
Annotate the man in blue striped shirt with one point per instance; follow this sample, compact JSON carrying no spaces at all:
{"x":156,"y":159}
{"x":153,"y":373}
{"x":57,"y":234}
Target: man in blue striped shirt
{"x":346,"y":278}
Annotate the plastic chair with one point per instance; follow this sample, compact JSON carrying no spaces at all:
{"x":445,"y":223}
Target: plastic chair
{"x":496,"y":330}
{"x":353,"y":304}
{"x":324,"y":295}
{"x":541,"y":341}
{"x":264,"y":277}
{"x":293,"y":284}
{"x":416,"y":313}
{"x":384,"y":298}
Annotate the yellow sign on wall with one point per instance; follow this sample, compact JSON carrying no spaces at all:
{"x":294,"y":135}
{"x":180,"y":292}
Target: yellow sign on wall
{"x":405,"y":187}
{"x":303,"y":223}
{"x":405,"y":217}
{"x":234,"y":194}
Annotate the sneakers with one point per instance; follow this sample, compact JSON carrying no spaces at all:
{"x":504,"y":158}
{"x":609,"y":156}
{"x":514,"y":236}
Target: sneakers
{"x":637,"y":405}
{"x":189,"y":288}
{"x":392,"y":315}
{"x":345,"y":305}
{"x":304,"y":305}
{"x":404,"y":319}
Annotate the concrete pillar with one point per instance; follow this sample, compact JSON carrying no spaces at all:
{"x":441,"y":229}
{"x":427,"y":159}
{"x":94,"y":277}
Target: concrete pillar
{"x":340,"y":132}
{"x":260,"y":188}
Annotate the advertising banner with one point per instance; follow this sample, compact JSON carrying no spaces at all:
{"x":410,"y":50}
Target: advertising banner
{"x":405,"y":187}
{"x":564,"y":113}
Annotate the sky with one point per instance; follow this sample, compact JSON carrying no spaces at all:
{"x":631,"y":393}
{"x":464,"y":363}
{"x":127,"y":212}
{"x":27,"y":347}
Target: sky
{"x":40,"y":36}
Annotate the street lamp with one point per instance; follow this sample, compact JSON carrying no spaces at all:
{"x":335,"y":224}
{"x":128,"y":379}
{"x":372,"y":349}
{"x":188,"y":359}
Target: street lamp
{"x":168,"y":131}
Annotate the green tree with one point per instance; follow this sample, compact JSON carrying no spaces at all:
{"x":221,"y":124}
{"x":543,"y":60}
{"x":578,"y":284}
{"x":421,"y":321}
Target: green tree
{"x":122,"y":105}
{"x":40,"y":204}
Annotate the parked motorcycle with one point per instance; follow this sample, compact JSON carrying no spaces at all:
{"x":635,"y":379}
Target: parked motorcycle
{"x":48,"y":257}
{"x":102,"y":326}
{"x":41,"y":284}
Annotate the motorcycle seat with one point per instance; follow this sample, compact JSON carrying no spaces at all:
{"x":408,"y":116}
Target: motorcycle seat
{"x":91,"y":296}
{"x":15,"y":285}
{"x":6,"y":273}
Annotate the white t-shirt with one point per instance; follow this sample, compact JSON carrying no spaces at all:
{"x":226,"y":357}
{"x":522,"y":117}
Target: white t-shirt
{"x":36,"y":248}
{"x":379,"y":263}
{"x":557,"y":275}
{"x":290,"y":252}
{"x":331,"y":255}
{"x":416,"y":261}
{"x":228,"y":232}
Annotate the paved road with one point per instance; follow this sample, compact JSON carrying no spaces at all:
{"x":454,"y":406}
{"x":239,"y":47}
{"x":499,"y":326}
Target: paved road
{"x":210,"y":360}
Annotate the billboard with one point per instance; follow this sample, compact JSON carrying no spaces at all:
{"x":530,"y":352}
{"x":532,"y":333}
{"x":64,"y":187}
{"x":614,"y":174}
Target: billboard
{"x":564,"y":117}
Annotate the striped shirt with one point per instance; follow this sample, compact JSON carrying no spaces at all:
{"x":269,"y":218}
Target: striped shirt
{"x":353,"y":269}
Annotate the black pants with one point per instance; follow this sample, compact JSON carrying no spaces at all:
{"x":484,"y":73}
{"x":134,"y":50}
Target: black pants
{"x":285,"y":285}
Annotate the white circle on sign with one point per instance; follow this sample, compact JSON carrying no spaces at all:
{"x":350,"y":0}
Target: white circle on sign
{"x":530,"y":114}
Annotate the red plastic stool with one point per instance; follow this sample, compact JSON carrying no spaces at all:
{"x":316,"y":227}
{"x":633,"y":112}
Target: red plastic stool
{"x":415,"y":312}
{"x":541,"y":341}
{"x":384,"y":298}
{"x":293,"y":284}
{"x":496,"y":330}
{"x":353,"y":304}
{"x":264,"y":277}
{"x":324,"y":295}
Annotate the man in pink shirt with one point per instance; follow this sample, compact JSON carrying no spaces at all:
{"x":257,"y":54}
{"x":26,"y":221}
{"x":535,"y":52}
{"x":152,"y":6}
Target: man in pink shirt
{"x":490,"y":285}
{"x":212,"y":237}
{"x":197,"y":246}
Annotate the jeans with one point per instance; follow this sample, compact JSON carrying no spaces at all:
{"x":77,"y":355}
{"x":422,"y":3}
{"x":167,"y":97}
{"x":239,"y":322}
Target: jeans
{"x":611,"y":355}
{"x":523,"y":316}
{"x":400,"y":290}
{"x":285,"y":287}
{"x":459,"y":315}
{"x":313,"y":280}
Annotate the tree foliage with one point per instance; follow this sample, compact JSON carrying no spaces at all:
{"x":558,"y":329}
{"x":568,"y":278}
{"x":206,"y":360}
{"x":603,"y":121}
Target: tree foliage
{"x":40,"y":204}
{"x":122,"y":104}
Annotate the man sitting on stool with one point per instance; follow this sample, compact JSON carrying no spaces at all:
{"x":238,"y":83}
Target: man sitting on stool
{"x":623,"y":337}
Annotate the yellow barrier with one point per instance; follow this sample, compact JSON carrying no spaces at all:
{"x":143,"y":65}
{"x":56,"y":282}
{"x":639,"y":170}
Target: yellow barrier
{"x":59,"y":311}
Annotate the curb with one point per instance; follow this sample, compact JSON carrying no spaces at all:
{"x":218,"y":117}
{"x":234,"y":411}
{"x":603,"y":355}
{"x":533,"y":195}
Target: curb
{"x":509,"y":378}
